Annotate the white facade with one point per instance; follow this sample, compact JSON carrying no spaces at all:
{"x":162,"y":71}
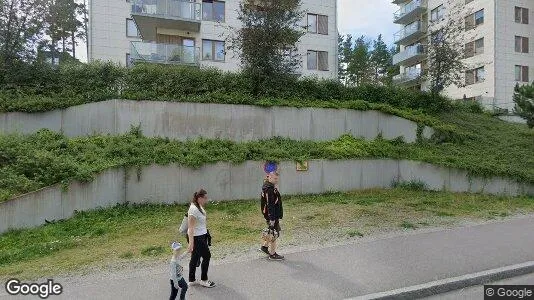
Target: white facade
{"x":108,"y":38}
{"x":493,"y":85}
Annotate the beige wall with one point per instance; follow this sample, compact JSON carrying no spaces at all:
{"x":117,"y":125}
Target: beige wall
{"x":499,"y":57}
{"x":108,"y":41}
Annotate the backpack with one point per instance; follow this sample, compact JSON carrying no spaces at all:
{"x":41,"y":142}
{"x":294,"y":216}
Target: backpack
{"x":184,"y":226}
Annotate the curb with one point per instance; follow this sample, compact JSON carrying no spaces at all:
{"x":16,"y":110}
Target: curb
{"x":453,"y":283}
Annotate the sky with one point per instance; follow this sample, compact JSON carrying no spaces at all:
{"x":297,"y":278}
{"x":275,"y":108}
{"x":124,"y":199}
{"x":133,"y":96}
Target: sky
{"x":367,"y":17}
{"x":356,"y":17}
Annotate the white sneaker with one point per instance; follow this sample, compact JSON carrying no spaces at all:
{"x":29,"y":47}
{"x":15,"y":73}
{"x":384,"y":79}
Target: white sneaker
{"x":207,"y":283}
{"x":191,"y":283}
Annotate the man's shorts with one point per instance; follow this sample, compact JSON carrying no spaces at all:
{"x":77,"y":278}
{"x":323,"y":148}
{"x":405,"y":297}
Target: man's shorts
{"x":276,"y":225}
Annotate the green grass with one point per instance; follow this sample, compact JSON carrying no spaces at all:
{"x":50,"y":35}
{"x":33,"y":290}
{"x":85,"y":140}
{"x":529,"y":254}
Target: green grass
{"x":27,"y":163}
{"x":132,"y":233}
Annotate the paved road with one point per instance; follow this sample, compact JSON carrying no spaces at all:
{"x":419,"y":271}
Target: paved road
{"x":477,"y":292}
{"x":342,"y":271}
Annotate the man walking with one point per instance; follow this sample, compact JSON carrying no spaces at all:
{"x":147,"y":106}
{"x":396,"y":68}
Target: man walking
{"x":273,"y":212}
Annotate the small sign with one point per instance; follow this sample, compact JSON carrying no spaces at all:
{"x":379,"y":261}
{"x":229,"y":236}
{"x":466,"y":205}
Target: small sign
{"x":302,"y":166}
{"x":270,"y":167}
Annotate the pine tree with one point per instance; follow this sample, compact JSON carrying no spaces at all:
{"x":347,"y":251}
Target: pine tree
{"x":359,"y":66}
{"x":381,"y":60}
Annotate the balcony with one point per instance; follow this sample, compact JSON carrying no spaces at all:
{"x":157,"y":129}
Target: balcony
{"x":409,"y":77}
{"x":410,"y":33}
{"x":164,"y":53}
{"x":410,"y":56}
{"x":172,"y":14}
{"x":410,"y":12}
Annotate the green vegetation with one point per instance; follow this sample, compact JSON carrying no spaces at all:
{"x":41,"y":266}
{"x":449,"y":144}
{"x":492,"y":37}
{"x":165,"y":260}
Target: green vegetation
{"x":128,"y":233}
{"x":494,"y":148}
{"x":39,"y":87}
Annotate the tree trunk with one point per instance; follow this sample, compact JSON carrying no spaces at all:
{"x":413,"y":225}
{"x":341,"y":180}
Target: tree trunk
{"x":73,"y":44}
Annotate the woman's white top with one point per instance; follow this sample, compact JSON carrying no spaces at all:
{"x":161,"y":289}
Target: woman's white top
{"x":200,"y":220}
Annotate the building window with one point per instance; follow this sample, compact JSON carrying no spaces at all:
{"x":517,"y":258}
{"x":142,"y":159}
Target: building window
{"x":521,"y":44}
{"x":437,"y":13}
{"x":521,"y":15}
{"x":213,"y":10}
{"x":317,"y":24}
{"x":213,"y":50}
{"x":473,"y":20}
{"x":131,"y":28}
{"x":317,"y":60}
{"x":521,"y":73}
{"x":474,"y":48}
{"x":128,"y":60}
{"x":475,"y":76}
{"x":479,"y":17}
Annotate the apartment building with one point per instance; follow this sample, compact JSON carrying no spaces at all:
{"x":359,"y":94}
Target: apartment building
{"x":193,"y":32}
{"x":498,"y":41}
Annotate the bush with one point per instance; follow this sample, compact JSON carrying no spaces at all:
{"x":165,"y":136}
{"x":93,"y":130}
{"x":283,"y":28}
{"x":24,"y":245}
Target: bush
{"x":41,"y":87}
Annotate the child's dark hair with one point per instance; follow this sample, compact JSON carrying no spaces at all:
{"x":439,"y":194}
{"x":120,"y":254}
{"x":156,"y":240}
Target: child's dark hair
{"x":199,"y":194}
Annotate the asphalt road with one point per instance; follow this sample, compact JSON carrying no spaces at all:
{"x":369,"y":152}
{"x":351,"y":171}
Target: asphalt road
{"x":339,"y":272}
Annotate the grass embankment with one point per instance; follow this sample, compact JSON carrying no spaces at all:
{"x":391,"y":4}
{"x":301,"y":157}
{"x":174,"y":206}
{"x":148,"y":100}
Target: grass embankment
{"x":129,"y":234}
{"x":494,"y":148}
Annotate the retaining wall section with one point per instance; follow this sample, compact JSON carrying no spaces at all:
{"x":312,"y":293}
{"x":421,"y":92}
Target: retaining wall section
{"x":191,"y":120}
{"x":224,"y":181}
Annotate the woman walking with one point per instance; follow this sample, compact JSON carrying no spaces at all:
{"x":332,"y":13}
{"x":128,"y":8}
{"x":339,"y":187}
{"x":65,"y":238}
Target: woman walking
{"x":197,"y":233}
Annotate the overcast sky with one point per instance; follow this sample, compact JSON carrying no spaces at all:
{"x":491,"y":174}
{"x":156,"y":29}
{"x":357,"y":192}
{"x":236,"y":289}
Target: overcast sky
{"x":357,"y":17}
{"x":367,"y":17}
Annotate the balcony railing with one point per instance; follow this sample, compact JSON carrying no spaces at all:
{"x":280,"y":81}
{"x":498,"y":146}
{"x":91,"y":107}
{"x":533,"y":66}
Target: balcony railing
{"x":164,"y":53}
{"x":182,"y":9}
{"x":407,"y":76}
{"x":408,"y":53}
{"x":413,"y":6}
{"x":411,"y":30}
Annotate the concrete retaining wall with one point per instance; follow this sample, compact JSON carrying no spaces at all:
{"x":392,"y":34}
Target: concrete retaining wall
{"x":224,"y":181}
{"x":233,"y":122}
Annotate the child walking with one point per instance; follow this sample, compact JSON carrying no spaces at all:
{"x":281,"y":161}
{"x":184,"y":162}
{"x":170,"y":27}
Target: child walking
{"x":177,"y":279}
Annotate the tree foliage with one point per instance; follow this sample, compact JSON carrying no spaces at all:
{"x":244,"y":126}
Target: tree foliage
{"x":363,"y":62}
{"x":446,"y":50}
{"x":267,"y":41}
{"x":524,"y":102}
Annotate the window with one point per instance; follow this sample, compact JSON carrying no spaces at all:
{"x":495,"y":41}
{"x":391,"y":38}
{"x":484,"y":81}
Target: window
{"x":213,"y":10}
{"x":317,"y":60}
{"x":437,"y":37}
{"x":521,"y":73}
{"x":474,"y":48}
{"x":479,"y":17}
{"x":475,"y":76}
{"x":312,"y":60}
{"x":473,"y":20}
{"x":131,"y":28}
{"x":128,"y":60}
{"x":521,"y":44}
{"x":317,"y":24}
{"x":213,"y":50}
{"x":437,"y":13}
{"x":521,"y":15}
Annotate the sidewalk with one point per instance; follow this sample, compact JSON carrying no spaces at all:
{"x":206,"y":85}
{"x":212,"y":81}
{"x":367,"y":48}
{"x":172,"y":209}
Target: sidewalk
{"x":343,"y":271}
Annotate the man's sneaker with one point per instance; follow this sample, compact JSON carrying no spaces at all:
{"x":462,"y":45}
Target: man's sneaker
{"x":265,"y":250}
{"x":276,"y":257}
{"x":207,"y":283}
{"x":191,"y":283}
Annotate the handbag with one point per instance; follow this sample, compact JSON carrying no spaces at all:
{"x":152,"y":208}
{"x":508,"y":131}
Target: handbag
{"x":184,"y":226}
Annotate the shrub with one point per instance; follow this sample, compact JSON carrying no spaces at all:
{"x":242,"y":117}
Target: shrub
{"x":40,"y":87}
